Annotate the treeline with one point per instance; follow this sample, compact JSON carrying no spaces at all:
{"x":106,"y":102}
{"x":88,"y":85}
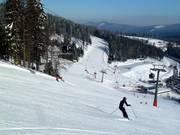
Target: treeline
{"x":70,"y":34}
{"x":122,"y":48}
{"x":25,"y":31}
{"x":68,"y":29}
{"x":173,"y":51}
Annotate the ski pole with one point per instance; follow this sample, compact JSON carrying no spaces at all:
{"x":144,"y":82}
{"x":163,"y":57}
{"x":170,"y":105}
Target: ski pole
{"x":114,"y":111}
{"x":133,"y":112}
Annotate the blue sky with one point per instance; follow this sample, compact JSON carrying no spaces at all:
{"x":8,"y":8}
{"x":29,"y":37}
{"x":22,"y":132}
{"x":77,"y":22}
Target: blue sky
{"x":134,"y":12}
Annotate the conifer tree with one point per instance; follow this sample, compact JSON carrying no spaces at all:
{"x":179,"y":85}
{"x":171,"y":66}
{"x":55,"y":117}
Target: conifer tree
{"x":3,"y":46}
{"x":36,"y":22}
{"x":13,"y":40}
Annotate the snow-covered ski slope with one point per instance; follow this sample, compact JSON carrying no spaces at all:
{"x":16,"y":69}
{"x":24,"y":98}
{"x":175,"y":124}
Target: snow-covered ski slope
{"x":35,"y":104}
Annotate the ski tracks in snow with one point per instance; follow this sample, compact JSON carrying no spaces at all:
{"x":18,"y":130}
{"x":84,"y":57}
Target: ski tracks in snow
{"x":69,"y":83}
{"x":56,"y":130}
{"x":71,"y":131}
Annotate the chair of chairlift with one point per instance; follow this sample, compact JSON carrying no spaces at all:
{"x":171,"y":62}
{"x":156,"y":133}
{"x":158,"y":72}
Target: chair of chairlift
{"x":151,"y":76}
{"x":64,"y":49}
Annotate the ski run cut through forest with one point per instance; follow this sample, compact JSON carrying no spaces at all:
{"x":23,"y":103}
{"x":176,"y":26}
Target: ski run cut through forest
{"x":33,"y":103}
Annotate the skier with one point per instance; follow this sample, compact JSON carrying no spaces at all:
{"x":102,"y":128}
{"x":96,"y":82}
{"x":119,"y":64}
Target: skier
{"x":59,"y":77}
{"x":95,"y":75}
{"x":123,"y":110}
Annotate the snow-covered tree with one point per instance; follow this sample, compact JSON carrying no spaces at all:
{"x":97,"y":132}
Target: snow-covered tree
{"x":3,"y":46}
{"x":12,"y":27}
{"x":36,"y":31}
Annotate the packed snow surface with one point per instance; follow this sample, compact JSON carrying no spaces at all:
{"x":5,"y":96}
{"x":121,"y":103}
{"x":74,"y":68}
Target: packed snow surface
{"x":36,"y":104}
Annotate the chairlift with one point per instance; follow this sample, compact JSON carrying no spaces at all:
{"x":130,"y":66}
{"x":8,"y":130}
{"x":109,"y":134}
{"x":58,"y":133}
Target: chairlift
{"x":70,"y":49}
{"x":158,"y":69}
{"x":151,"y":76}
{"x":64,"y":49}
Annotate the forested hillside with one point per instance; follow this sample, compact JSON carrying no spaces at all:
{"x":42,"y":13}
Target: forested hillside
{"x":25,"y":32}
{"x":26,"y":35}
{"x":70,"y":38}
{"x":30,"y":37}
{"x":68,"y":29}
{"x":173,"y":51}
{"x":122,"y":48}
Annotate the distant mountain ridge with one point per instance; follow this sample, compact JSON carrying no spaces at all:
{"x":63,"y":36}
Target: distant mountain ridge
{"x":170,"y":32}
{"x":133,"y":29}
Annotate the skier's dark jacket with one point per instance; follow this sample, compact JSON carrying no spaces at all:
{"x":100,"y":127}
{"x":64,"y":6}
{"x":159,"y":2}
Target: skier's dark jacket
{"x":122,"y":103}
